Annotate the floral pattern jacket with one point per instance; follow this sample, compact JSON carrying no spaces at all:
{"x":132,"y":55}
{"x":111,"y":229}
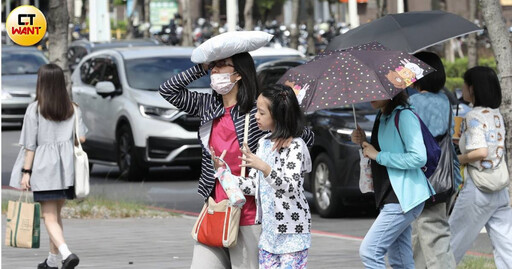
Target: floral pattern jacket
{"x":289,"y":165}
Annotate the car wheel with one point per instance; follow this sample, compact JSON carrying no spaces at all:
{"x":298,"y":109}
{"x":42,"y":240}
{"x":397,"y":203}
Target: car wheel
{"x":327,"y":203}
{"x":130,"y":167}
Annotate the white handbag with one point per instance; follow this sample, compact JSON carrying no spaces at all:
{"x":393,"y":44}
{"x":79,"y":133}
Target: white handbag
{"x":81,"y":162}
{"x":490,"y":180}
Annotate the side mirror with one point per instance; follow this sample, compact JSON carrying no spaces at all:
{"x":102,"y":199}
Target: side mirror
{"x":105,"y":88}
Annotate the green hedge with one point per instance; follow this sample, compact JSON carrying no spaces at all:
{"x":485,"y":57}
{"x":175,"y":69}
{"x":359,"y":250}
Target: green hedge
{"x":455,"y":71}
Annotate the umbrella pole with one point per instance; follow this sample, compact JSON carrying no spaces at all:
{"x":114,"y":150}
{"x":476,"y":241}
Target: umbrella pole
{"x":355,"y":119}
{"x":354,"y":112}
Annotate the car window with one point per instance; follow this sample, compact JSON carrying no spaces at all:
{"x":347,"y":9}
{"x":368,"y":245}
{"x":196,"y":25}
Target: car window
{"x":75,"y":54}
{"x":18,"y":63}
{"x":80,"y":52}
{"x":271,"y":75}
{"x":92,"y":71}
{"x":111,"y":74}
{"x":71,"y":55}
{"x":149,"y":73}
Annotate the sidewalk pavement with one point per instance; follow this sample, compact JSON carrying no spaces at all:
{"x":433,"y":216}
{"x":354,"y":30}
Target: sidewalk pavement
{"x":155,"y":243}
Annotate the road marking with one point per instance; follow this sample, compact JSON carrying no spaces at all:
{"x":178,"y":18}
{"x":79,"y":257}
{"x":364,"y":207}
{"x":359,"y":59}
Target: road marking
{"x":337,"y":236}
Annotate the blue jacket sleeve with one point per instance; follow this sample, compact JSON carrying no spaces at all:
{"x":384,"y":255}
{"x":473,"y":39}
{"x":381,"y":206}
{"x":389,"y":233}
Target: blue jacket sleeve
{"x":415,"y":153}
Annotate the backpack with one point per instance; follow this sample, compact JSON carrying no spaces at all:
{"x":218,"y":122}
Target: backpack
{"x":433,"y":149}
{"x":439,"y":182}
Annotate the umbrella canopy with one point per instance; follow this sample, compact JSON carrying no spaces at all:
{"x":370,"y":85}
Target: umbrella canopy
{"x":410,"y":31}
{"x":353,"y":76}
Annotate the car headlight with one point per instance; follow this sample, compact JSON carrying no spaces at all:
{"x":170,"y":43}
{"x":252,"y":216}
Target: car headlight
{"x":159,"y":113}
{"x":6,"y":95}
{"x":343,"y":135}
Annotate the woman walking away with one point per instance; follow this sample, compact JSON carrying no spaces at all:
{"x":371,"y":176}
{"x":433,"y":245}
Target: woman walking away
{"x":276,"y":179}
{"x":401,"y":188}
{"x":484,"y":199}
{"x":46,"y":158}
{"x":223,"y":114}
{"x":431,"y":231}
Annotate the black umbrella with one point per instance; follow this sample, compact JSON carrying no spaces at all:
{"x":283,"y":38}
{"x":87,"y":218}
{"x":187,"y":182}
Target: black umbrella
{"x":410,"y":31}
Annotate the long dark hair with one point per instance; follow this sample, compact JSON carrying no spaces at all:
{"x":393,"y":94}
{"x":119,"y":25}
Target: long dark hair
{"x":249,"y":88}
{"x":51,"y":94}
{"x":285,"y":111}
{"x":486,"y":86}
{"x":401,"y":99}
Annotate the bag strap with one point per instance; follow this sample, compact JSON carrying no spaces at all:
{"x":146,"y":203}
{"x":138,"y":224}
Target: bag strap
{"x":225,"y":163}
{"x":246,"y":133}
{"x":76,"y":128}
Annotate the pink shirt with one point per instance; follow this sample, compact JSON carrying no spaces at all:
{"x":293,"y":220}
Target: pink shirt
{"x":223,"y":137}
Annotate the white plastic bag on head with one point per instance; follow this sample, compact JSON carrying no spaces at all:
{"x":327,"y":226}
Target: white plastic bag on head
{"x":228,"y":44}
{"x":365,"y":174}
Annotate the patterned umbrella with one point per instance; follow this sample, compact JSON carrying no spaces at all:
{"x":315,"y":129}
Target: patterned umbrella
{"x":361,"y":74}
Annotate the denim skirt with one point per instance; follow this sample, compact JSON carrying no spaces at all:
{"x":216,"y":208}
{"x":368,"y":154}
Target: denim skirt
{"x":68,"y":194}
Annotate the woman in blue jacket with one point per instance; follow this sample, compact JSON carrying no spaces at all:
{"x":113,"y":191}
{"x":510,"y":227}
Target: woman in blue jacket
{"x":400,"y":186}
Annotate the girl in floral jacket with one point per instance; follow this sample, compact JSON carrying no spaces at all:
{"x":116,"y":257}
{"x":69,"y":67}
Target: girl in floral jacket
{"x":277,"y":180}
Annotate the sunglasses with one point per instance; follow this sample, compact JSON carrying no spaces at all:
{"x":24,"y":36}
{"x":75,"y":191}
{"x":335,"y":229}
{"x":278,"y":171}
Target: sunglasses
{"x":218,"y":64}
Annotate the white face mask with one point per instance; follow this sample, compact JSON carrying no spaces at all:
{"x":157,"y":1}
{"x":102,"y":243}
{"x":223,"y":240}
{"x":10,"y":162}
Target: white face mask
{"x":221,"y":83}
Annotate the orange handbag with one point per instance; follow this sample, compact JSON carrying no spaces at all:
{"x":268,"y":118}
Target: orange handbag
{"x":217,"y":224}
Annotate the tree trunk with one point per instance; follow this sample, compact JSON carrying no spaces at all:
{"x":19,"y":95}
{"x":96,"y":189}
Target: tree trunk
{"x":310,"y":10}
{"x":248,"y":14}
{"x":216,"y":16}
{"x":294,"y":34}
{"x":58,"y":20}
{"x":186,"y":39}
{"x":493,"y":17}
{"x":472,"y":48}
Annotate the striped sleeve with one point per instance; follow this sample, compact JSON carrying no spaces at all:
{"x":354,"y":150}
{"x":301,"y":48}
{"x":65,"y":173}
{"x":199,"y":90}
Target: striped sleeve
{"x":308,"y":136}
{"x":175,"y":91}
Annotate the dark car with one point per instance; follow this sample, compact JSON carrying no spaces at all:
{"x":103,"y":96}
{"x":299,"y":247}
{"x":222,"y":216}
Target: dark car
{"x":79,"y":48}
{"x":334,"y":180}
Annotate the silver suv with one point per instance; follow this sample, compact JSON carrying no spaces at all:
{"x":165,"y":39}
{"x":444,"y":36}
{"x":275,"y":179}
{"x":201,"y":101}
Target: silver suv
{"x":130,"y":124}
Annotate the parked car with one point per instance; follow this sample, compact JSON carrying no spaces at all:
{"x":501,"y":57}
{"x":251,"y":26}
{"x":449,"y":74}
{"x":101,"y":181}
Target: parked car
{"x":19,"y":79}
{"x":79,"y":48}
{"x":334,"y":179}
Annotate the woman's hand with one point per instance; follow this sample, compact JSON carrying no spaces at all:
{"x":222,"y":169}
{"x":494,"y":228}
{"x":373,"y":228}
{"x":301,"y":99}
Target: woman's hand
{"x":216,"y":162}
{"x":253,"y":161}
{"x":282,"y":143}
{"x":369,"y":151}
{"x":358,"y":136}
{"x":25,"y":181}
